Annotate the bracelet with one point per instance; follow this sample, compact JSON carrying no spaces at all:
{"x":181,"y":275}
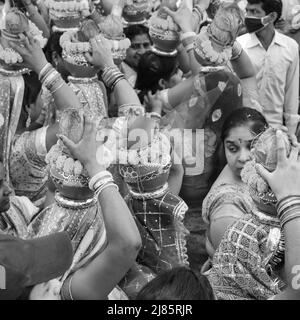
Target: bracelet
{"x":59,"y":87}
{"x":111,"y":76}
{"x":53,"y":81}
{"x":286,"y":204}
{"x":189,"y":47}
{"x":188,"y":43}
{"x":288,"y":209}
{"x":99,"y":176}
{"x":45,"y":70}
{"x":237,"y":50}
{"x":290,"y":216}
{"x":66,"y":293}
{"x":155,"y":115}
{"x":187,"y":35}
{"x":105,"y":186}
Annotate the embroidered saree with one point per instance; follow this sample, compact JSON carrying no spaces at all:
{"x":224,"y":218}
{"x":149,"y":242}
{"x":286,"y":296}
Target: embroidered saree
{"x":215,"y":93}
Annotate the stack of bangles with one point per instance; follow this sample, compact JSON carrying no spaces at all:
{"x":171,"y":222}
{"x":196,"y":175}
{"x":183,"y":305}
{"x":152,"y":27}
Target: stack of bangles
{"x":187,"y":40}
{"x":288,"y":209}
{"x":101,"y":181}
{"x":237,"y":50}
{"x":111,"y":76}
{"x":200,"y":13}
{"x":51,"y":79}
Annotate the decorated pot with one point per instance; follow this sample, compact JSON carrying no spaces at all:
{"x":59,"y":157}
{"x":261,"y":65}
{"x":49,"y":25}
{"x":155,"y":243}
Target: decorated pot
{"x":135,"y":11}
{"x":164,"y":34}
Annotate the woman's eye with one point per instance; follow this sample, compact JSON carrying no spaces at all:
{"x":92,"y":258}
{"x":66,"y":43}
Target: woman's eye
{"x":233,"y":149}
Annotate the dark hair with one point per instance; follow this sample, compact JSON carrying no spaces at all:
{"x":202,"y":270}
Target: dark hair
{"x":177,"y":284}
{"x":32,"y":89}
{"x":151,"y":69}
{"x":239,"y":117}
{"x":270,"y":6}
{"x":136,"y":30}
{"x":53,"y":45}
{"x":243,"y":116}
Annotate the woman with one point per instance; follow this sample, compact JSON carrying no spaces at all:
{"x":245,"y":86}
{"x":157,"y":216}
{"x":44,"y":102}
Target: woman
{"x":27,"y":144}
{"x":156,"y":73}
{"x":256,"y":256}
{"x":159,"y":213}
{"x":101,"y":258}
{"x":229,"y":199}
{"x":200,"y":105}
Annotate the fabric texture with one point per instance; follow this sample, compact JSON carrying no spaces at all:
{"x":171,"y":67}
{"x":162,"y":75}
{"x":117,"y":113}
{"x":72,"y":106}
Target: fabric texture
{"x":241,"y":265}
{"x":28,"y":168}
{"x":230,"y":195}
{"x":277,"y":75}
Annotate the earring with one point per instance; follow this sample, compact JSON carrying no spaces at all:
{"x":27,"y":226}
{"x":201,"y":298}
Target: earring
{"x":28,"y":121}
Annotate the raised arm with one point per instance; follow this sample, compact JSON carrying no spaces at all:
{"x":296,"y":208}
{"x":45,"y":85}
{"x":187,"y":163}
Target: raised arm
{"x":112,"y":77}
{"x":99,"y":277}
{"x":36,"y":18}
{"x":288,"y":170}
{"x":64,"y":96}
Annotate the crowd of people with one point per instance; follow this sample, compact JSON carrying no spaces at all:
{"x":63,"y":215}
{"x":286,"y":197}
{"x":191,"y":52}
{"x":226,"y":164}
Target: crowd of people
{"x":149,"y":150}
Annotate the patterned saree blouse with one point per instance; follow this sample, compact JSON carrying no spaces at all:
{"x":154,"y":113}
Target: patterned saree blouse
{"x":28,"y":169}
{"x":248,"y":260}
{"x":225,"y":195}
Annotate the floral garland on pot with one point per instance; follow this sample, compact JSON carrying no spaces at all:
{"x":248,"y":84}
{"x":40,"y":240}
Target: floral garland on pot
{"x":81,"y":7}
{"x":10,"y":56}
{"x":70,"y":48}
{"x":204,"y":49}
{"x":155,"y":154}
{"x":63,"y":163}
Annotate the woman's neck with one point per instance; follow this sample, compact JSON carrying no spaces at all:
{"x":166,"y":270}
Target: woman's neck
{"x":227,"y":176}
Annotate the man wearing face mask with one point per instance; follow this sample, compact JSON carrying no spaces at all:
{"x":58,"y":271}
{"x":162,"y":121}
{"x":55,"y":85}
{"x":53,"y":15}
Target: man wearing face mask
{"x":276,"y":61}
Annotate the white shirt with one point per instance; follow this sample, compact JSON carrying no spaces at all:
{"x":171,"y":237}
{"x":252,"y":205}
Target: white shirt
{"x":277,"y":76}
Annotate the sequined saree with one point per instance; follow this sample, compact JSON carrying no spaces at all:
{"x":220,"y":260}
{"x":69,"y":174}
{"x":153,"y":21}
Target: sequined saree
{"x":247,"y":264}
{"x":213,"y":95}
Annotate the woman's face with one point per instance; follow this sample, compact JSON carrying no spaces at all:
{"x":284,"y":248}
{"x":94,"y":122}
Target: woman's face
{"x":237,"y":146}
{"x":140,"y":44}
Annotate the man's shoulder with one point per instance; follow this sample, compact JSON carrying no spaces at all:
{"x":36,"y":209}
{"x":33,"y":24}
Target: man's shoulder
{"x":288,"y":42}
{"x":243,"y":39}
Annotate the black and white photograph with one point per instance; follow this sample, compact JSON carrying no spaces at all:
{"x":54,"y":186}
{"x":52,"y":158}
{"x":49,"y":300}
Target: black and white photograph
{"x":149,"y":153}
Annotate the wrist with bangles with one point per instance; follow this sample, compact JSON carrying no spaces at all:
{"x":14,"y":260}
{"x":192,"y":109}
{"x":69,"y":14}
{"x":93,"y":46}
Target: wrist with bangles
{"x":101,"y":181}
{"x":50,"y":78}
{"x":187,"y":40}
{"x":154,"y":115}
{"x":288,"y":209}
{"x":111,"y":76}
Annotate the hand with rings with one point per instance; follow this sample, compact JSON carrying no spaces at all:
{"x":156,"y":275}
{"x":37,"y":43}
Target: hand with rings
{"x":31,"y":52}
{"x":288,"y":170}
{"x":101,"y":53}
